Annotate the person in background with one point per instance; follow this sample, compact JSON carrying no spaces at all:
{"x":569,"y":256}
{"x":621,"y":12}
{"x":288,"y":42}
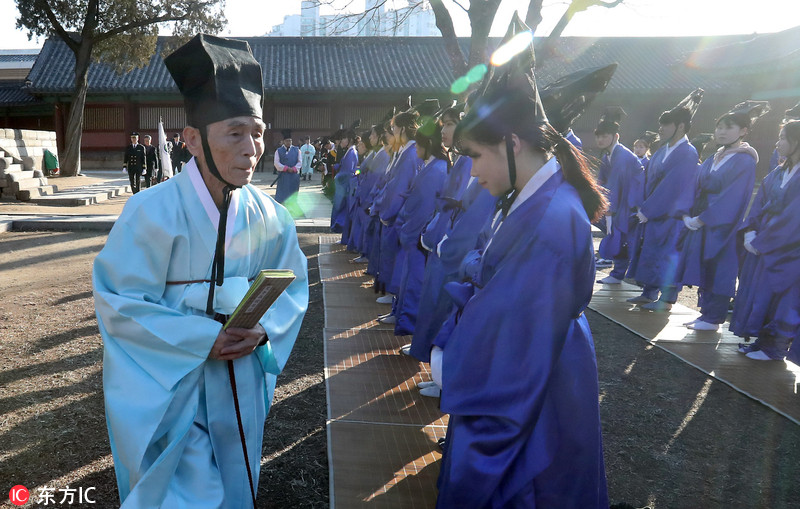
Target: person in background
{"x":792,"y":113}
{"x":178,"y":154}
{"x":655,"y":241}
{"x":307,"y":153}
{"x":707,"y":244}
{"x":287,"y":163}
{"x":171,"y":372}
{"x":642,"y":146}
{"x":134,"y":162}
{"x":625,"y":184}
{"x":151,"y":158}
{"x":767,"y":304}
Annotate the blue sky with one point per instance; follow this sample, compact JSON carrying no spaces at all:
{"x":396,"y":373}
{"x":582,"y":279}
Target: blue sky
{"x":632,"y":18}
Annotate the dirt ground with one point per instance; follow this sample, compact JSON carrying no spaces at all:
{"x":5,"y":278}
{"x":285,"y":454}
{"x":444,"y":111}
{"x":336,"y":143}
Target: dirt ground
{"x":674,"y":438}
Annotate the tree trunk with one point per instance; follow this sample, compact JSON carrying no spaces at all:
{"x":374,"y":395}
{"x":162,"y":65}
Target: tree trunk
{"x":70,"y":160}
{"x":481,"y":16}
{"x":534,"y":14}
{"x":444,"y":22}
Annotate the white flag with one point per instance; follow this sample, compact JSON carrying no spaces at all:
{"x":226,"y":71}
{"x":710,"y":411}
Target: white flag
{"x":163,"y":155}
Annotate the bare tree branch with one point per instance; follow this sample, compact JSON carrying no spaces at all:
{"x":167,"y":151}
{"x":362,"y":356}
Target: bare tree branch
{"x":44,"y":5}
{"x":444,"y":22}
{"x":534,"y":14}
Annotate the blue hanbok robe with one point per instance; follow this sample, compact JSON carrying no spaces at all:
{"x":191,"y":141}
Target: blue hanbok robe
{"x":365,"y":196}
{"x":669,"y":188}
{"x":470,"y":220}
{"x":169,"y":408}
{"x":365,"y":179}
{"x":645,"y":161}
{"x":519,"y":371}
{"x":448,"y":203}
{"x":288,"y":176}
{"x":708,"y":256}
{"x":374,"y":200}
{"x":767,"y":301}
{"x":573,"y":138}
{"x":412,"y":218}
{"x":625,"y":186}
{"x":399,"y":180}
{"x":774,"y":160}
{"x":345,"y":172}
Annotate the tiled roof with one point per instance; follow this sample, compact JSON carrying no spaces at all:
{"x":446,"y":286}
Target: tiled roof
{"x":27,"y":58}
{"x":401,"y":64}
{"x":12,"y":93}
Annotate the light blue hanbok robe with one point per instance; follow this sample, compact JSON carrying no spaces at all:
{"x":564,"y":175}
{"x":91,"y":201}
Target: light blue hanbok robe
{"x":169,"y":408}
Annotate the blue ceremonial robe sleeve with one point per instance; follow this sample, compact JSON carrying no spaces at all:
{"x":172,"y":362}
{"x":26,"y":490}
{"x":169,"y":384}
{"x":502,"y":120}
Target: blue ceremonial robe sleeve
{"x":675,"y":191}
{"x":421,"y":203}
{"x":727,"y":205}
{"x":397,"y":187}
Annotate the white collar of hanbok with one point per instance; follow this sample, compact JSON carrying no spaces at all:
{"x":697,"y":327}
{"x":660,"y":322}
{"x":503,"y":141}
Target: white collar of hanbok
{"x":787,"y":176}
{"x":668,"y":149}
{"x":208,"y":202}
{"x":539,"y":178}
{"x":408,"y":144}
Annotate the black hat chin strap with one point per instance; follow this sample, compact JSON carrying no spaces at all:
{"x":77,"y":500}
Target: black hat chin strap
{"x":505,"y":201}
{"x":218,"y":265}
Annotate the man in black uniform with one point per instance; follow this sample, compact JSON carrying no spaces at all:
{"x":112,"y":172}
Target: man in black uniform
{"x":134,"y":161}
{"x":178,"y":154}
{"x":151,"y":158}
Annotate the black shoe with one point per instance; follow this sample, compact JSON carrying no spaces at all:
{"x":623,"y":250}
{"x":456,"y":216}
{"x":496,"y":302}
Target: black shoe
{"x":441,"y":443}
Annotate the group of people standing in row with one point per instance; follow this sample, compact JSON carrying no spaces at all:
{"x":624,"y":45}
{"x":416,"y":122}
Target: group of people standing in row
{"x":475,"y":221}
{"x":142,"y":163}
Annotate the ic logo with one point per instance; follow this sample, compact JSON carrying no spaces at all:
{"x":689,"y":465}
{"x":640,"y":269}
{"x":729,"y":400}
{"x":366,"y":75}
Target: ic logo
{"x":19,"y":495}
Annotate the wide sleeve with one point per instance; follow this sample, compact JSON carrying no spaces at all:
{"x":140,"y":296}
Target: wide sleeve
{"x":277,"y":162}
{"x":727,"y":207}
{"x":129,"y":278}
{"x":420,"y":206}
{"x":497,"y":367}
{"x":676,"y":190}
{"x":283,"y":319}
{"x":397,"y":188}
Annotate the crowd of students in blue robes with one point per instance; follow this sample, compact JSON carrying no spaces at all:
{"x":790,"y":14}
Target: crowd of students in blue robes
{"x":676,"y":221}
{"x":448,"y":236}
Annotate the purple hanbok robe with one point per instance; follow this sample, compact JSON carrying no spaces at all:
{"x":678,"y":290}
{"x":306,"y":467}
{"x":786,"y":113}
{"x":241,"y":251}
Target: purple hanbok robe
{"x":400,"y":177}
{"x":417,"y":210}
{"x":708,"y":257}
{"x":340,"y":220}
{"x":625,"y":187}
{"x":768,"y":299}
{"x":365,"y":179}
{"x":519,"y":371}
{"x":447,"y":203}
{"x":669,"y":188}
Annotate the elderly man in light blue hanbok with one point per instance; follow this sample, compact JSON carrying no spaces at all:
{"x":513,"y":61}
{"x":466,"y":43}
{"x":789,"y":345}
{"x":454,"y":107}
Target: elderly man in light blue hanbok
{"x":167,"y":380}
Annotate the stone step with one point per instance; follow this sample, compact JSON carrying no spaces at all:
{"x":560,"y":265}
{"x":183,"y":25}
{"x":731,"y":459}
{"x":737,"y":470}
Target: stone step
{"x":35,"y":192}
{"x":86,"y":195}
{"x":29,"y":183}
{"x":11,"y":168}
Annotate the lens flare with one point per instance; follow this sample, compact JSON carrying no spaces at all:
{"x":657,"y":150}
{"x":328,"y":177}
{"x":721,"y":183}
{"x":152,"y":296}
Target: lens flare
{"x":509,"y":50}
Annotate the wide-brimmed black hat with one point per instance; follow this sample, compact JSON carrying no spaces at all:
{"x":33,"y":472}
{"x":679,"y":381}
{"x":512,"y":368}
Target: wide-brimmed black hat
{"x":568,"y":97}
{"x":685,"y":110}
{"x":286,"y":133}
{"x":219,"y":79}
{"x":746,"y":113}
{"x":610,"y":120}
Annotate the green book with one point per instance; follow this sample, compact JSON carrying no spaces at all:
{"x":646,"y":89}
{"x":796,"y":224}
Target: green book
{"x":265,"y":290}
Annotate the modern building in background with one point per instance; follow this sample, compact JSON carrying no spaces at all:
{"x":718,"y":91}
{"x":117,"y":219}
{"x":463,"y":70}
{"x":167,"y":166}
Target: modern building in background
{"x":376,"y":20}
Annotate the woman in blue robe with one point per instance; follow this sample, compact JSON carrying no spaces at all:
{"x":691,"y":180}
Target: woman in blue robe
{"x":641,"y":148}
{"x":345,"y":173}
{"x":767,"y":304}
{"x":416,"y":212}
{"x":654,"y":245}
{"x":707,"y":244}
{"x":372,"y":233}
{"x":625,"y":180}
{"x":365,"y":154}
{"x":519,"y":375}
{"x":395,"y":192}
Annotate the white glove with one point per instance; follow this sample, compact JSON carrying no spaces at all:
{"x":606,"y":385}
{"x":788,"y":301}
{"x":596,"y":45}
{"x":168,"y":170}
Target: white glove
{"x":124,"y":170}
{"x":687,"y":221}
{"x":642,"y":218}
{"x":384,"y":223}
{"x":695,"y":223}
{"x":608,"y":224}
{"x":749,"y":237}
